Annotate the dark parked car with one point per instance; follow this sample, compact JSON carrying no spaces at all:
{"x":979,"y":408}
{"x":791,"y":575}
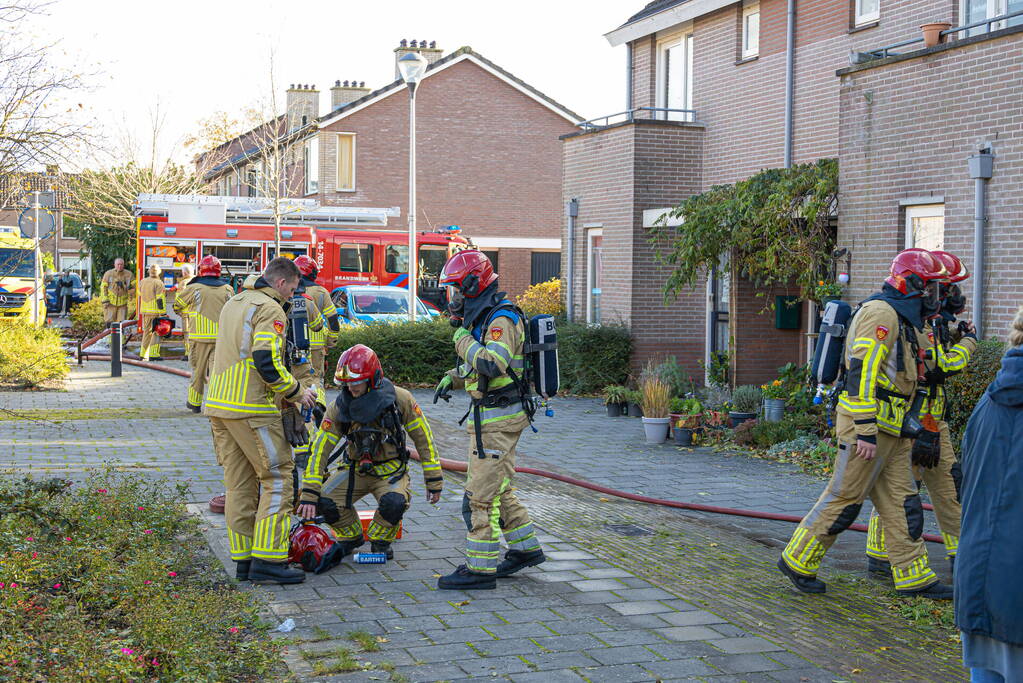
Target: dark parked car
{"x":79,"y":296}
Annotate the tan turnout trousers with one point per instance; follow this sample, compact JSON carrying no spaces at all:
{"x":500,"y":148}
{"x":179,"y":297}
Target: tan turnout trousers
{"x":150,"y":341}
{"x":888,"y":481}
{"x":258,"y":468}
{"x":349,"y":527}
{"x":942,"y":488}
{"x":200,"y":357}
{"x":114,"y":314}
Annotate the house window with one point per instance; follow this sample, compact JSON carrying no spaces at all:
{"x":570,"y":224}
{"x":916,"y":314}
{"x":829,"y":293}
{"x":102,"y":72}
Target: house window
{"x":544,"y":266}
{"x":750,"y":29}
{"x":492,"y":255}
{"x":925,"y":226}
{"x":312,"y":166}
{"x":866,"y":11}
{"x":355,"y":258}
{"x":594,"y":271}
{"x":346,"y":162}
{"x":979,"y":10}
{"x":674,"y":79}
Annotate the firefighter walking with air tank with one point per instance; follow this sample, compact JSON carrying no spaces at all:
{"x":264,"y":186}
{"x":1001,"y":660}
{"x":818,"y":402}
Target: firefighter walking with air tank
{"x":247,"y":380}
{"x":948,"y":351}
{"x":374,"y":416}
{"x":874,"y":430}
{"x":201,"y":301}
{"x":490,"y":341}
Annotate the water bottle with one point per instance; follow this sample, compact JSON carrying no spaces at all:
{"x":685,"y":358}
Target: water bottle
{"x":370,"y":558}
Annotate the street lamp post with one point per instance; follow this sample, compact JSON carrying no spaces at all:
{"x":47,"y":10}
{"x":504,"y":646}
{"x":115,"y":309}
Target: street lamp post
{"x":412,"y":67}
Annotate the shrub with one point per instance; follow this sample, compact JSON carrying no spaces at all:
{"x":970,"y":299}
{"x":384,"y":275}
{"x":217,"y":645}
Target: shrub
{"x":87,"y":319}
{"x":614,"y":393}
{"x":743,"y":433}
{"x":112,"y":581}
{"x":746,"y":399}
{"x":813,"y":455}
{"x":30,"y":356}
{"x":767,"y":434}
{"x":966,"y":388}
{"x":671,"y":373}
{"x":590,"y":356}
{"x":543,"y":297}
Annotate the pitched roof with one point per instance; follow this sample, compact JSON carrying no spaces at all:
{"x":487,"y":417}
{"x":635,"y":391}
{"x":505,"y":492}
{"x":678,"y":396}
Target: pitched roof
{"x":652,"y":8}
{"x":462,"y":54}
{"x":14,"y":187}
{"x":662,"y":14}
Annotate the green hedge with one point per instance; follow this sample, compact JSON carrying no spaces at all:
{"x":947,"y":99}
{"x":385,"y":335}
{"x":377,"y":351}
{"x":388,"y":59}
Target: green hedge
{"x":590,"y":356}
{"x":965,"y":389}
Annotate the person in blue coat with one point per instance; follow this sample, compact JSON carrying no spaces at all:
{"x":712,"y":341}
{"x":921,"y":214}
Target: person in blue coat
{"x":988,"y":594}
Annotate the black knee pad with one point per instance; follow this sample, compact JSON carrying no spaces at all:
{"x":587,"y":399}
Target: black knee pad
{"x":914,"y":516}
{"x":957,"y":478}
{"x":466,"y":512}
{"x":391,"y":507}
{"x":845,"y":518}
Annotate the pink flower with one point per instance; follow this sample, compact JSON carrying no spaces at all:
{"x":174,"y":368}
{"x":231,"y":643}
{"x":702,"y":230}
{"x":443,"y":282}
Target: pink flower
{"x":172,"y":574}
{"x":67,"y":538}
{"x":147,"y":582}
{"x":56,"y":586}
{"x":154,"y":662}
{"x":101,"y":490}
{"x":175,"y":595}
{"x":1,"y":584}
{"x":233,"y":629}
{"x":13,"y":585}
{"x":148,"y":531}
{"x":141,"y":508}
{"x":35,"y":555}
{"x":127,"y":651}
{"x":30,"y":539}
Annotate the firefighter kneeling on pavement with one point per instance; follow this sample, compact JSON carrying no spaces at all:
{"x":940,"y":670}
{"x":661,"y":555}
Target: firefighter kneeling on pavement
{"x":375,"y":416}
{"x":934,"y":459}
{"x":248,"y":375}
{"x":874,"y":434}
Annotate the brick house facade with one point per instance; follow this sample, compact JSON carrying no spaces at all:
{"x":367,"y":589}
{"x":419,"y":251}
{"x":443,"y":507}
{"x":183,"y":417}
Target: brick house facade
{"x":488,"y":157}
{"x":725,"y":63}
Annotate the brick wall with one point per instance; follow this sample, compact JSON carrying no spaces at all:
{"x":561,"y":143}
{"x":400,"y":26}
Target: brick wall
{"x":907,"y":129}
{"x":759,"y":347}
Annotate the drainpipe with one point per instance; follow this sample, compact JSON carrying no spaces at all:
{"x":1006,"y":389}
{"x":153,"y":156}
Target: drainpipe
{"x":790,"y":52}
{"x":572,"y":211}
{"x":981,"y":166}
{"x":628,"y":77}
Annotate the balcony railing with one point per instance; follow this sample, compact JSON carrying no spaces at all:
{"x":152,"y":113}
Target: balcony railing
{"x":886,"y":51}
{"x":649,"y":113}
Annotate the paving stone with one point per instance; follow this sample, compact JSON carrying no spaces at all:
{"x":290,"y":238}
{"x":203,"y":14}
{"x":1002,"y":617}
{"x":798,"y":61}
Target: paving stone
{"x":743,"y":645}
{"x":484,"y":666}
{"x":644,"y":594}
{"x":693,"y":618}
{"x":527,"y":615}
{"x":427,"y":673}
{"x":622,"y":655}
{"x":565,"y":565}
{"x":744,"y":663}
{"x":560,"y":660}
{"x":632,"y":637}
{"x":679,"y":668}
{"x":553,"y":676}
{"x":508,"y":646}
{"x":451,"y":652}
{"x":592,"y":598}
{"x":572,"y":643}
{"x":570,"y":555}
{"x":473,"y":634}
{"x":553,"y":577}
{"x":687,"y":633}
{"x":810,"y":675}
{"x":621,"y":673}
{"x":604,"y":573}
{"x":684,"y":649}
{"x":567,"y":627}
{"x":638,"y":607}
{"x":597,"y":585}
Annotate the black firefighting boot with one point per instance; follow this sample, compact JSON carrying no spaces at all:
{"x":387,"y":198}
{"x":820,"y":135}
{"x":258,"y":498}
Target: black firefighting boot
{"x":936,"y":591}
{"x":345,"y":547}
{"x":382,"y":547}
{"x":263,"y":572}
{"x":194,"y":409}
{"x":514,"y":560}
{"x":464,"y":580}
{"x":877,"y":566}
{"x":806,"y":584}
{"x":242,"y":570}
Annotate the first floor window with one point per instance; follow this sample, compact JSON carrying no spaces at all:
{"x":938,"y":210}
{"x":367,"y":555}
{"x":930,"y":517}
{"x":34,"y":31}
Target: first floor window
{"x":867,"y":11}
{"x":925,"y":227}
{"x":346,"y":161}
{"x":312,"y":166}
{"x":750,"y":29}
{"x":675,"y":87}
{"x":594,"y":273}
{"x":979,"y":10}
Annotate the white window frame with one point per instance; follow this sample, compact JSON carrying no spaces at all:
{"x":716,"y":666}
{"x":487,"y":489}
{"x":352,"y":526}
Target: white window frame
{"x":860,"y":17}
{"x":591,"y":232}
{"x":921,"y":211}
{"x":994,"y":8}
{"x":684,"y":39}
{"x":311,"y":161}
{"x":337,"y":169}
{"x":750,"y":8}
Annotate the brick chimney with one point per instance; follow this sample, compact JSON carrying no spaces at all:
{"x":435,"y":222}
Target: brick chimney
{"x":427,"y":49}
{"x":303,"y":105}
{"x":348,"y":91}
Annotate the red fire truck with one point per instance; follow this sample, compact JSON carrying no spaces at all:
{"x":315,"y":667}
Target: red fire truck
{"x":351,"y":245}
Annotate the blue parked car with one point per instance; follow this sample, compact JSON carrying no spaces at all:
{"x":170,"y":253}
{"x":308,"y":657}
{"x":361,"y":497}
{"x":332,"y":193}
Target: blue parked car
{"x":360,"y":304}
{"x":78,"y":296}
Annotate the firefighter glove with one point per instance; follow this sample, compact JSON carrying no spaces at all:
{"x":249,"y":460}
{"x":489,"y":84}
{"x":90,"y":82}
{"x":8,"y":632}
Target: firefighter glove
{"x":459,"y":333}
{"x":927,"y":449}
{"x":443,"y":390}
{"x":294,"y":427}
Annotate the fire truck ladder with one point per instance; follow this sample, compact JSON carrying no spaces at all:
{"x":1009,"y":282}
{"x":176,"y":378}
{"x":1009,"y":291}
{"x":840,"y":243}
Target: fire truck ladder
{"x":194,"y":208}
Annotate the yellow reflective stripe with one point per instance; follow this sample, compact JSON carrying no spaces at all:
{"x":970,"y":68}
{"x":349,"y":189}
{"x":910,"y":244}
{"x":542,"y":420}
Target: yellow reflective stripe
{"x":916,"y":575}
{"x":202,"y":327}
{"x":875,"y":539}
{"x":854,"y":406}
{"x":379,"y":532}
{"x":951,"y":544}
{"x":353,"y":530}
{"x":387,"y":467}
{"x":313,"y":475}
{"x":799,"y":563}
{"x":427,"y":460}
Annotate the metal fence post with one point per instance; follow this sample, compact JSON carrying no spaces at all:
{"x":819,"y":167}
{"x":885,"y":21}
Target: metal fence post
{"x":115,"y":350}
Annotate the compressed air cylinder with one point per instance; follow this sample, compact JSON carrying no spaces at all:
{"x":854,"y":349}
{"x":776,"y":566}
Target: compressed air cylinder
{"x":370,"y":558}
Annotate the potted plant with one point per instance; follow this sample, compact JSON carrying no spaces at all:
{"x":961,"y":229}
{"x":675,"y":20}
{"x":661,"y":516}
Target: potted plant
{"x":774,"y":400}
{"x":827,"y":291}
{"x":687,"y":421}
{"x":676,"y":408}
{"x":656,"y":401}
{"x":633,"y":399}
{"x":614,"y":397}
{"x":932,"y":32}
{"x":745,"y":404}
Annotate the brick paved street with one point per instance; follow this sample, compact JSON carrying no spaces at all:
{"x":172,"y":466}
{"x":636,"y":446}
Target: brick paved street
{"x":688,"y":599}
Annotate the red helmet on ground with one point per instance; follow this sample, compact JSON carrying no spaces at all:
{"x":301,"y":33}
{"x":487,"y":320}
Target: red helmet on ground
{"x":913,"y":269}
{"x":306,"y":266}
{"x":469,"y":271}
{"x":209,"y":265}
{"x":359,"y":364}
{"x":957,"y":270}
{"x":313,"y":548}
{"x":162,"y":327}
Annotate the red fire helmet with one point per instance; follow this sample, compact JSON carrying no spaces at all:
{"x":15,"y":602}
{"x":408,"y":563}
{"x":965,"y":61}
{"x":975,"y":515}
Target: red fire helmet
{"x":957,"y":270}
{"x":306,"y":266}
{"x":912,"y":269}
{"x":209,"y":265}
{"x":359,"y":364}
{"x":313,"y":548}
{"x":162,"y":327}
{"x":469,"y":271}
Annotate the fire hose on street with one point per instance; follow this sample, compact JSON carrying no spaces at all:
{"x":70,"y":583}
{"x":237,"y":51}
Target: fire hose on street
{"x":459,"y":466}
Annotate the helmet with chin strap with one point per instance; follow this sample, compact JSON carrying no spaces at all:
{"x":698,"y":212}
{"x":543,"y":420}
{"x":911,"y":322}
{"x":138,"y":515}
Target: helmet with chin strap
{"x":913,"y":269}
{"x":952,"y":295}
{"x":359,"y":364}
{"x":209,"y":265}
{"x":469,"y":271}
{"x":306,"y":266}
{"x":313,"y":548}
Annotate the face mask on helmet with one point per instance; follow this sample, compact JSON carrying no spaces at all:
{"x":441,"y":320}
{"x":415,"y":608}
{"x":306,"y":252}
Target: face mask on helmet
{"x":930,"y":299}
{"x":954,"y":301}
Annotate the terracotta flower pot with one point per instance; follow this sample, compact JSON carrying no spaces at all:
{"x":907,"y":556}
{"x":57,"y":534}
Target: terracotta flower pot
{"x":932,"y":32}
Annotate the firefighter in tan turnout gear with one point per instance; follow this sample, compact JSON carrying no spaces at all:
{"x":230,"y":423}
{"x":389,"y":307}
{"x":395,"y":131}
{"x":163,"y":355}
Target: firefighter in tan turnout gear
{"x":374,"y":416}
{"x":152,"y":305}
{"x":248,"y":375}
{"x":873,"y":455}
{"x":116,"y":290}
{"x":324,"y":336}
{"x":490,"y":340}
{"x":934,"y":458}
{"x":200,"y":302}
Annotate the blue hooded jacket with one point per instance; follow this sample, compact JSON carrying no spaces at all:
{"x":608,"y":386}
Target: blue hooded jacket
{"x":989,"y":566}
